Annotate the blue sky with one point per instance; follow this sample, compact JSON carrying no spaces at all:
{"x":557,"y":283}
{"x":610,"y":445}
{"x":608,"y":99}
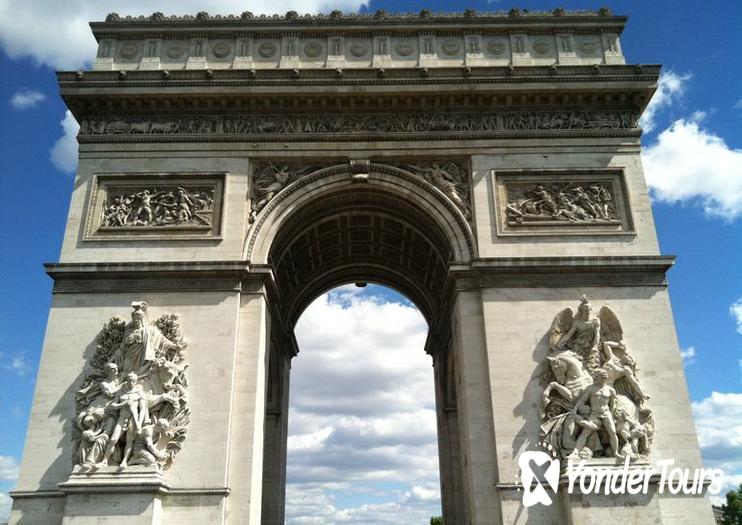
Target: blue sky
{"x":693,"y":162}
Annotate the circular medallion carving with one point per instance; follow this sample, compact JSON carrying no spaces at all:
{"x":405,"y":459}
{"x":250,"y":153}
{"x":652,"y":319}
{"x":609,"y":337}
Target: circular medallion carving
{"x":589,"y":46}
{"x":450,"y":47}
{"x":267,"y":49}
{"x":405,"y":49}
{"x":358,"y":49}
{"x":175,"y":51}
{"x":542,"y":48}
{"x":129,"y":51}
{"x":221,"y":49}
{"x":313,"y":49}
{"x":496,"y":47}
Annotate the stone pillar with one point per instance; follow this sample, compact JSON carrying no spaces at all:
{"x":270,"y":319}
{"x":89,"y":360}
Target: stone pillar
{"x":245,"y":469}
{"x":276,"y":434}
{"x":474,"y":403}
{"x":449,"y":454}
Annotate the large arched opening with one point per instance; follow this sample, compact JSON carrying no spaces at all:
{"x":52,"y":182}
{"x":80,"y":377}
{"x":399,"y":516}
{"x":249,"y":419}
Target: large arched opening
{"x":362,"y":430}
{"x":381,"y":225}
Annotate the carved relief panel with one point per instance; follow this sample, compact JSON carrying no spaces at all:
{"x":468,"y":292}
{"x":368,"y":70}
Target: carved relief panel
{"x":594,"y":404}
{"x":449,"y":176}
{"x":270,"y":177}
{"x":155,"y":206}
{"x":132,"y":405}
{"x":568,"y":202}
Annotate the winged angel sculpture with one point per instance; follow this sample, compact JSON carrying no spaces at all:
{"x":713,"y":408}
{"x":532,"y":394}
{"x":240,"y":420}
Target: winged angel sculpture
{"x":270,"y":179}
{"x":593,"y":403}
{"x":132,"y":406}
{"x":450,"y":178}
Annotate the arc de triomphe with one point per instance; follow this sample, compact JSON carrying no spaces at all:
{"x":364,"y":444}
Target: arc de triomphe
{"x":234,"y":168}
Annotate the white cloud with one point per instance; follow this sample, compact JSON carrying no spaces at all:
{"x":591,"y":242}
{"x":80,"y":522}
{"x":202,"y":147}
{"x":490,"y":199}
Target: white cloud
{"x":670,"y":87}
{"x":718,"y":421}
{"x":688,"y":355}
{"x":312,"y":441}
{"x":64,"y":152}
{"x":736,"y":311}
{"x":313,"y":506}
{"x":687,"y":163}
{"x":693,"y":165}
{"x":18,"y":365}
{"x":427,"y":492}
{"x":728,"y":482}
{"x":362,"y":411}
{"x":26,"y":98}
{"x":738,"y":104}
{"x":57,"y":34}
{"x":5,"y":503}
{"x":8,"y":468}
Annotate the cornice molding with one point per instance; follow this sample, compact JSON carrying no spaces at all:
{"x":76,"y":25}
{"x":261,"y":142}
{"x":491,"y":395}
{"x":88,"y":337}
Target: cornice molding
{"x":225,"y":276}
{"x":336,"y":19}
{"x":239,"y":276}
{"x":119,"y":489}
{"x":321,"y":92}
{"x":563,"y":272}
{"x":321,"y":76}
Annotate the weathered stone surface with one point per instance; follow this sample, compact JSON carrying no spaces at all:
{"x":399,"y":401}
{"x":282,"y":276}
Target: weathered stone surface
{"x":132,"y":405}
{"x":356,"y":41}
{"x":396,"y":149}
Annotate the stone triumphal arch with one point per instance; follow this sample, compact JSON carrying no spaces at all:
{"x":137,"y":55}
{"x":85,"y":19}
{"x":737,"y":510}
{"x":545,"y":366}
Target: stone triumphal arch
{"x":233,"y":168}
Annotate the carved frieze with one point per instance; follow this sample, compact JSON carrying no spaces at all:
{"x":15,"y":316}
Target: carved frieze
{"x":155,"y":206}
{"x":132,"y":406}
{"x":562,"y":201}
{"x":593,"y":403}
{"x":361,"y":124}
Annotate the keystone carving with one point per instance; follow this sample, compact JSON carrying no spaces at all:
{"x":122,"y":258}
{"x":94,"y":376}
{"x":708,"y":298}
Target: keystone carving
{"x":594,"y":404}
{"x":132,"y":405}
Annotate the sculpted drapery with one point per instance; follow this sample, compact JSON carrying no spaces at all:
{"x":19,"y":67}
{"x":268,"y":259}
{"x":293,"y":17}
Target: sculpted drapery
{"x":132,"y":407}
{"x":141,"y":343}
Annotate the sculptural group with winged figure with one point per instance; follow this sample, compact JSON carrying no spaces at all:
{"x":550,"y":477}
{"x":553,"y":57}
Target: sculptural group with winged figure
{"x":593,"y":403}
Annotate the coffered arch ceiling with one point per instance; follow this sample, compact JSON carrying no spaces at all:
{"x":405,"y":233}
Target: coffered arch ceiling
{"x":361,"y":233}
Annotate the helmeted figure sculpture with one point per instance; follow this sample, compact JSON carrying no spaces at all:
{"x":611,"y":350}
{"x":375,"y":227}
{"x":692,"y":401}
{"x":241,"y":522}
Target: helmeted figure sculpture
{"x":132,"y":407}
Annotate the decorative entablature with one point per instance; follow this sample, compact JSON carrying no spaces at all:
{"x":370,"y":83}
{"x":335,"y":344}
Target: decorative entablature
{"x":379,"y":40}
{"x":469,"y":93}
{"x":219,"y":105}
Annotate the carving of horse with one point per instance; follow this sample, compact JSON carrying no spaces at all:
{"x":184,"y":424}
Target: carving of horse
{"x":571,"y":377}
